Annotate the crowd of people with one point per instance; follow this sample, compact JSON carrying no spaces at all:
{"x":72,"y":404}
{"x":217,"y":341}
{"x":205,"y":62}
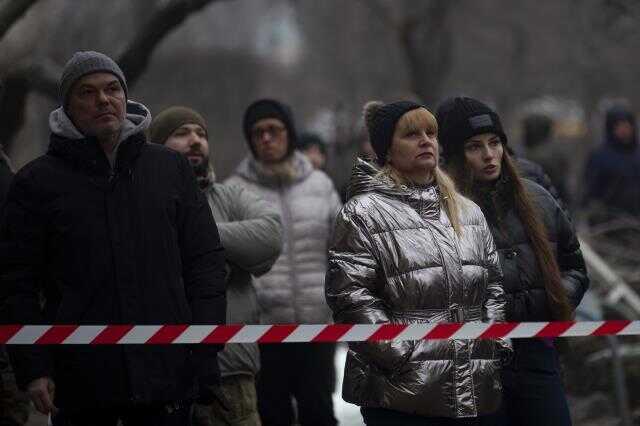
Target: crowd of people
{"x":123,"y":221}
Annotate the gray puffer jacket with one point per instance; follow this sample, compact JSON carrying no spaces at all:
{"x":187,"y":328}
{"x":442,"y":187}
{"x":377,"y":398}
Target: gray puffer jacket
{"x":251,"y":233}
{"x":293,"y":291}
{"x":396,"y":259}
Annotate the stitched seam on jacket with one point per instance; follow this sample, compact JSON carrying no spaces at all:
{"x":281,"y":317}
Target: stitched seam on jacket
{"x":386,"y":231}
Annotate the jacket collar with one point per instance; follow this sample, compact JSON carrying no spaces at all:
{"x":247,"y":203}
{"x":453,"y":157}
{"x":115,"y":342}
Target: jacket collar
{"x":495,"y":200}
{"x":137,"y":120}
{"x":254,"y":171}
{"x":68,"y":143}
{"x":87,"y":155}
{"x":365,"y":177}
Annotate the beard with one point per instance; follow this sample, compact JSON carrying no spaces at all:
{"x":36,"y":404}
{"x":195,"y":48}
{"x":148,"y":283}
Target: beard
{"x":202,"y":168}
{"x":204,"y":173}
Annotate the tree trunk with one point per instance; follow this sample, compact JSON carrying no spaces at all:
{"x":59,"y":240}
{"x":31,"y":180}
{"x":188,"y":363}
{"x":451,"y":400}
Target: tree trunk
{"x":43,"y":77}
{"x":12,"y":13}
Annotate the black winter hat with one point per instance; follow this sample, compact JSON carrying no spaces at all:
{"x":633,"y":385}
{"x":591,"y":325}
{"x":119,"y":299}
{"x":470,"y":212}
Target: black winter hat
{"x":307,"y":140}
{"x":460,"y":118}
{"x":269,"y":108}
{"x":614,"y":115}
{"x":381,"y":120}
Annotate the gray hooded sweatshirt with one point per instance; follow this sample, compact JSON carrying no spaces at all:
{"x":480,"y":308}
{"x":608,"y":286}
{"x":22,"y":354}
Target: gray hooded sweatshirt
{"x":137,"y":120}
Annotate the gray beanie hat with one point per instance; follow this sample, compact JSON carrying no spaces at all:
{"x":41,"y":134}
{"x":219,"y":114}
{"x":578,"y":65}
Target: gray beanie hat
{"x":83,"y":63}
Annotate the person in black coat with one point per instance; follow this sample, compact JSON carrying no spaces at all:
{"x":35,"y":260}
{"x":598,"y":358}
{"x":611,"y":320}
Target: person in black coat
{"x":5,"y":176}
{"x":544,"y":272}
{"x":6,"y":172}
{"x":612,"y":172}
{"x":109,"y":229}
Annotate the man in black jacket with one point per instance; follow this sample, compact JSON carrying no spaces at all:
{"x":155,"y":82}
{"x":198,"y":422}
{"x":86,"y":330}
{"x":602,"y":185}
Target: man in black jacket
{"x":110,"y":230}
{"x":5,"y":167}
{"x":5,"y":176}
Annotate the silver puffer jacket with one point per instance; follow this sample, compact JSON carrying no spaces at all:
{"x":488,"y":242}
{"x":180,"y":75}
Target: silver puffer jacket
{"x":395,"y":258}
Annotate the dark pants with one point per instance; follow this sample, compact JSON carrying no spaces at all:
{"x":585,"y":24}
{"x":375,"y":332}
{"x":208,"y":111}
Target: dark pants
{"x":533,"y":391}
{"x":304,"y":371}
{"x":179,"y":415}
{"x":384,"y":417}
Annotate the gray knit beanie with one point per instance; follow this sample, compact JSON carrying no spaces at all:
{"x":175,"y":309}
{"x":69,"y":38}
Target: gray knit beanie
{"x":84,"y":63}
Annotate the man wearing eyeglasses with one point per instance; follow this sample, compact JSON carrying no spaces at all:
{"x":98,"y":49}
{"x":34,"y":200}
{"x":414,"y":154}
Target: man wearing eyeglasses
{"x":293,"y":291}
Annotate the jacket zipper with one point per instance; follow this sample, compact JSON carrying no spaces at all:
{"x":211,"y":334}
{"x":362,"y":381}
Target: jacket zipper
{"x":286,"y":213}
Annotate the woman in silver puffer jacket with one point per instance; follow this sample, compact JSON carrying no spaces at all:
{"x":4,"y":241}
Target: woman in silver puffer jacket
{"x":408,"y":248}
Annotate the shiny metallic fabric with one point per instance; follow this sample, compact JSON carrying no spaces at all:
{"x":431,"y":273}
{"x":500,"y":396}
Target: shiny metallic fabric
{"x":395,"y":258}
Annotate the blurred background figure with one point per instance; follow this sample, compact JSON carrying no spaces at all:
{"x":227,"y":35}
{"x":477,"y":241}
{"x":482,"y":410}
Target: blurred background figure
{"x":312,"y":145}
{"x":612,"y":172}
{"x":293,"y":291}
{"x":537,"y":133}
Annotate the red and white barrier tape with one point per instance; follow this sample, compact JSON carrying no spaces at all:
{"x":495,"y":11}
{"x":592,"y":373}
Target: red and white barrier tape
{"x":210,"y":334}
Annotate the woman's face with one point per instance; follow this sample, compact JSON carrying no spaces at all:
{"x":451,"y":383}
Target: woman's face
{"x":483,"y":154}
{"x":414,"y":152}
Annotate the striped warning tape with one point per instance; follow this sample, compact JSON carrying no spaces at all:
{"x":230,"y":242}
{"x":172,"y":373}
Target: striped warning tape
{"x":290,"y":333}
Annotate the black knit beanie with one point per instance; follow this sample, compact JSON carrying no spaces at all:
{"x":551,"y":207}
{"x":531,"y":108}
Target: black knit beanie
{"x":307,"y":139}
{"x":460,"y":118}
{"x":269,"y":108}
{"x":381,"y":120}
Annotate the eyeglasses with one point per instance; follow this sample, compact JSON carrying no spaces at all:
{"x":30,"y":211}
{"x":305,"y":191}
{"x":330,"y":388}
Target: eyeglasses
{"x":273,"y":131}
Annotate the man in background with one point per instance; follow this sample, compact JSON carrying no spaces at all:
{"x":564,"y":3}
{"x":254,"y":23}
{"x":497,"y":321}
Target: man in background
{"x":251,"y":232}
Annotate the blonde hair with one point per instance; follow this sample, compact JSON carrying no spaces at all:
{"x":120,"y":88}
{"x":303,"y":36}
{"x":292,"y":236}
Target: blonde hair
{"x":417,"y":119}
{"x":449,"y":196}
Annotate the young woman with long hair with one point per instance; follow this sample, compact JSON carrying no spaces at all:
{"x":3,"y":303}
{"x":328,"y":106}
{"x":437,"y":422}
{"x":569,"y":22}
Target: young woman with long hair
{"x":544,"y":272}
{"x":407,"y":248}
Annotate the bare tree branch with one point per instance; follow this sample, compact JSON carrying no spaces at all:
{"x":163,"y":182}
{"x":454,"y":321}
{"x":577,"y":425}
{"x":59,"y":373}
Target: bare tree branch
{"x":42,"y":77}
{"x":381,"y":11}
{"x":428,"y":66}
{"x":12,"y":12}
{"x":135,"y":58}
{"x":425,"y":39}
